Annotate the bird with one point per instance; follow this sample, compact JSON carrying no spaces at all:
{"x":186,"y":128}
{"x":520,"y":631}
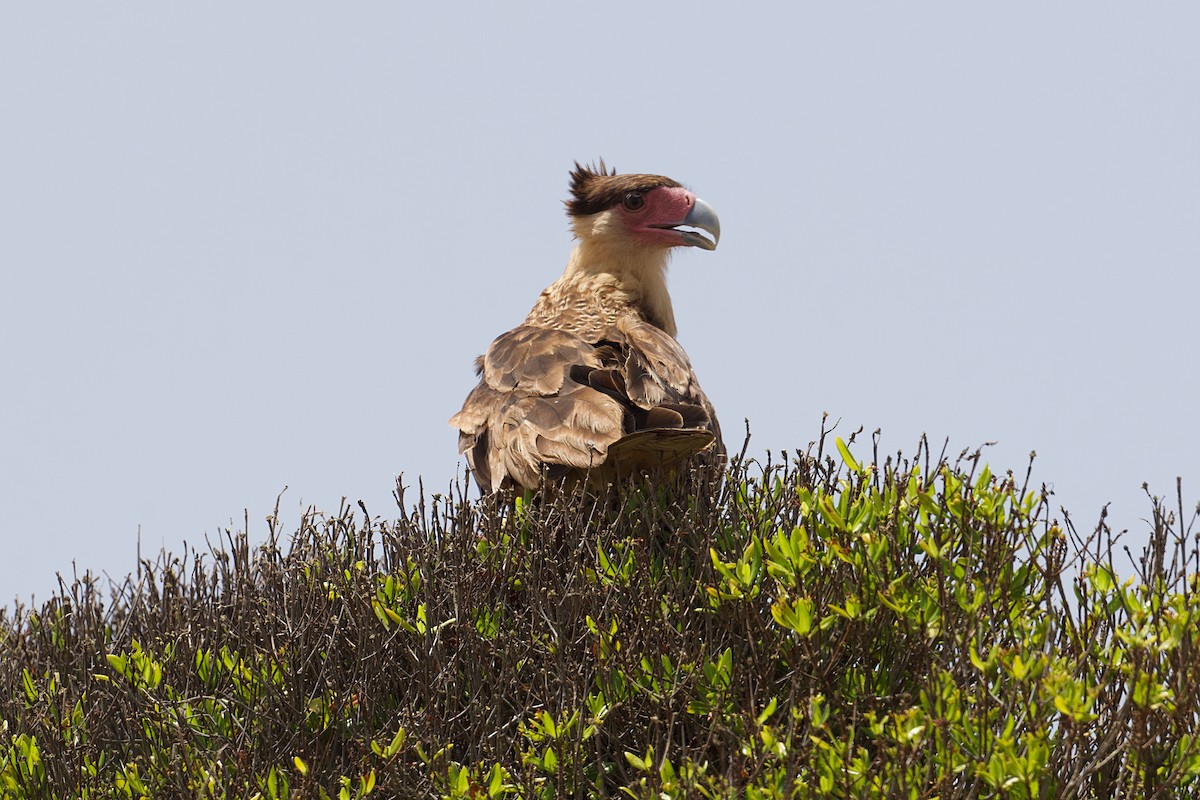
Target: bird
{"x":593,"y":386}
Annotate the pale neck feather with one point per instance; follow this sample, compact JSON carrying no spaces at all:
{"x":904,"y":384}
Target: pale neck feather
{"x":636,"y":271}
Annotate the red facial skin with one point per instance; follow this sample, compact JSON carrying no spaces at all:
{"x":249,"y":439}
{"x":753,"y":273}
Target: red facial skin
{"x":665,"y":206}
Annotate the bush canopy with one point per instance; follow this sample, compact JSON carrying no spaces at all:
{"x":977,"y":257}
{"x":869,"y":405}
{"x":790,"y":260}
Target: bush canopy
{"x":818,"y":625}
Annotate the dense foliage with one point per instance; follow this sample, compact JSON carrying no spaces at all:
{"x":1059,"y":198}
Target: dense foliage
{"x":816,"y":628}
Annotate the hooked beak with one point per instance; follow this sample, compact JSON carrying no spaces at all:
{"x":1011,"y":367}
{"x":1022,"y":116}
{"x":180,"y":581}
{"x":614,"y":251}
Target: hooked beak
{"x":701,"y":216}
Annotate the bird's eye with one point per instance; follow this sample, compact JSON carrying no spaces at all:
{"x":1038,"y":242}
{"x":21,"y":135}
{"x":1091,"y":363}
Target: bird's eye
{"x":633,"y":201}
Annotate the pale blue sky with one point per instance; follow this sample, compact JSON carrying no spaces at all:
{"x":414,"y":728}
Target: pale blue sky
{"x":249,"y":246}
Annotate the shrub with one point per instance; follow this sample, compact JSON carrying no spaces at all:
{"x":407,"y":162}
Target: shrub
{"x":817,"y":627}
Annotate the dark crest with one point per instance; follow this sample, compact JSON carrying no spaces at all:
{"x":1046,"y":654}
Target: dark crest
{"x":596,"y":189}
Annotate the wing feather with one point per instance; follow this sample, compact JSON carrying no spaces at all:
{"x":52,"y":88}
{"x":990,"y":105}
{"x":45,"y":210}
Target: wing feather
{"x":550,"y":402}
{"x":535,"y":360}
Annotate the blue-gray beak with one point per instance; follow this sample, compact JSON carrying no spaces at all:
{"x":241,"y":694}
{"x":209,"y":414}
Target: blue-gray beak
{"x":701,"y":216}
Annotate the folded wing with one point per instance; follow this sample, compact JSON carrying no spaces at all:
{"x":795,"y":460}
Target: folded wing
{"x":550,"y":401}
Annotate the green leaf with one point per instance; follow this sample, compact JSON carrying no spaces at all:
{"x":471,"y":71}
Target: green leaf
{"x":31,"y":691}
{"x":119,"y":664}
{"x":846,"y":457}
{"x":495,"y":781}
{"x":397,"y":742}
{"x":767,"y":712}
{"x":725,"y":667}
{"x":796,"y":615}
{"x":667,"y":771}
{"x":831,"y":514}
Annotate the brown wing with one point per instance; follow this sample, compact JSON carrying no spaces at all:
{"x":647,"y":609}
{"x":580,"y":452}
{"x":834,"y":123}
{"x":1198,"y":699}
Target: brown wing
{"x":528,"y":412}
{"x":549,"y":401}
{"x":659,"y":374}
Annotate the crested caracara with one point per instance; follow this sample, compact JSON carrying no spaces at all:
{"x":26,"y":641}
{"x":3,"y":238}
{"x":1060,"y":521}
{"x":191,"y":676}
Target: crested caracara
{"x":593,"y":383}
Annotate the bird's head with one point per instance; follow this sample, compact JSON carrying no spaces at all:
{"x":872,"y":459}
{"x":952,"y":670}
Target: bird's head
{"x":645,"y":210}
